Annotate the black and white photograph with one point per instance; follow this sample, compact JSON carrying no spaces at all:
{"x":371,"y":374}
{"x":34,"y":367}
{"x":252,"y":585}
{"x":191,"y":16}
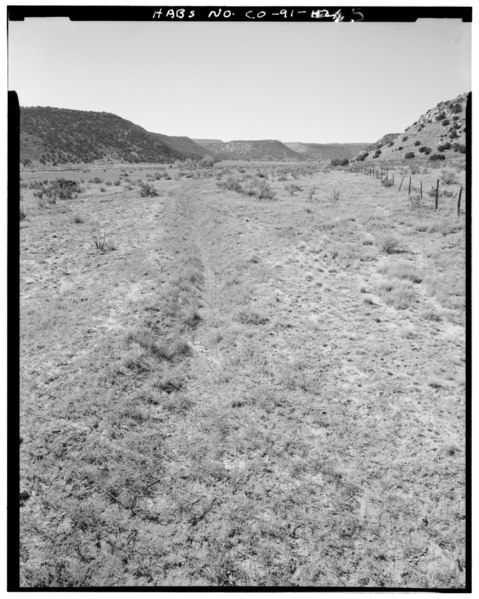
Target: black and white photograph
{"x":243,"y":301}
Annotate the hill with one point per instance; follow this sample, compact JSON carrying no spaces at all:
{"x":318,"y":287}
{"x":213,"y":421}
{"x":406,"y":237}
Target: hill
{"x":262,"y":149}
{"x":438,"y":132}
{"x":59,"y":136}
{"x":313,"y":151}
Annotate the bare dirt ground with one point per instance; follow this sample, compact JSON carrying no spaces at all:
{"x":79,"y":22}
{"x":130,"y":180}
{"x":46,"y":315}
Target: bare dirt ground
{"x":242,"y":391}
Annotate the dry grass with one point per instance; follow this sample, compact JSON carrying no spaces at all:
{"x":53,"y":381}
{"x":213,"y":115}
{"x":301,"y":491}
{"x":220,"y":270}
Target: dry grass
{"x":217,"y":404}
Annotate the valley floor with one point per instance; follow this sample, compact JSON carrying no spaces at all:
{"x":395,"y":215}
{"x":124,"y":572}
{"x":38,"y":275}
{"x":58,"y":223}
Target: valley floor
{"x":236,"y":391}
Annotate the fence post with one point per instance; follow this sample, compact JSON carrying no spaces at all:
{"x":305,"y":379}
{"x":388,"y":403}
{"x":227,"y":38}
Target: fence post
{"x":459,"y":203}
{"x":393,"y":179}
{"x":409,"y":190}
{"x":437,"y":195}
{"x":400,"y":184}
{"x":420,"y":189}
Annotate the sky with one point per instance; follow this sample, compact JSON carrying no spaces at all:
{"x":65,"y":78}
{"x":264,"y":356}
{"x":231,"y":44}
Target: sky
{"x":310,"y":82}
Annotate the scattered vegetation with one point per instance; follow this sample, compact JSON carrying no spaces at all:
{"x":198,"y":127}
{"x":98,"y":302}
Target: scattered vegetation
{"x":292,"y":188}
{"x":388,"y":244}
{"x":339,"y":162}
{"x":335,"y":196}
{"x":60,"y":189}
{"x":444,"y":146}
{"x":147,"y":190}
{"x":249,"y":186}
{"x":189,"y":428}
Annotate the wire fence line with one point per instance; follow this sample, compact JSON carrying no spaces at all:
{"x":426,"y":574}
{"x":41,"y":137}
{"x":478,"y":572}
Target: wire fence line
{"x":387,"y":178}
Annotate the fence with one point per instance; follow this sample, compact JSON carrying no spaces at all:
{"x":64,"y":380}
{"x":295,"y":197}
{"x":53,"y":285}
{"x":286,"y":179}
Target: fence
{"x":383,"y":176}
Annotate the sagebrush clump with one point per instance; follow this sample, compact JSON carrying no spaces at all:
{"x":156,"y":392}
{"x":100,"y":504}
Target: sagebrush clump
{"x":147,"y":190}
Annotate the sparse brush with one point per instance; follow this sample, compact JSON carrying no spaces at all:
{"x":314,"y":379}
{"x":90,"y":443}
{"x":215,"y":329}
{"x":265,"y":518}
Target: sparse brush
{"x":335,"y":196}
{"x":429,"y":312}
{"x":387,"y":182}
{"x":232,"y":184}
{"x":147,"y":190}
{"x":448,"y":177}
{"x":264,"y":191}
{"x":416,"y":201}
{"x":100,"y":241}
{"x":78,"y":219}
{"x":339,"y":162}
{"x":399,"y":294}
{"x":292,"y":188}
{"x":402,"y":270}
{"x":61,"y":189}
{"x":251,"y":317}
{"x":388,"y":244}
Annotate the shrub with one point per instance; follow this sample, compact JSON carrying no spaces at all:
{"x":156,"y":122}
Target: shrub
{"x":448,"y":177}
{"x":62,"y":189}
{"x":425,"y":150}
{"x":445,"y":122}
{"x":377,"y":153}
{"x":99,"y":238}
{"x":405,"y":138}
{"x":362,"y":156}
{"x":232,"y":184}
{"x":251,"y":317}
{"x":249,"y":186}
{"x":339,"y":162}
{"x":388,"y":244}
{"x":402,"y":270}
{"x":400,"y":295}
{"x":409,"y":155}
{"x":459,"y":148}
{"x":207,"y":161}
{"x":417,"y":143}
{"x":387,"y":182}
{"x":445,"y":146}
{"x":440,"y":116}
{"x":147,"y":190}
{"x":292,"y":188}
{"x":264,"y":191}
{"x":400,"y":148}
{"x":437,"y":157}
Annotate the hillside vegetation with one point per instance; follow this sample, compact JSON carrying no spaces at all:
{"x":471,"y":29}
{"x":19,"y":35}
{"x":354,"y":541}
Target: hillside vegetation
{"x":59,"y":136}
{"x":436,"y":135}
